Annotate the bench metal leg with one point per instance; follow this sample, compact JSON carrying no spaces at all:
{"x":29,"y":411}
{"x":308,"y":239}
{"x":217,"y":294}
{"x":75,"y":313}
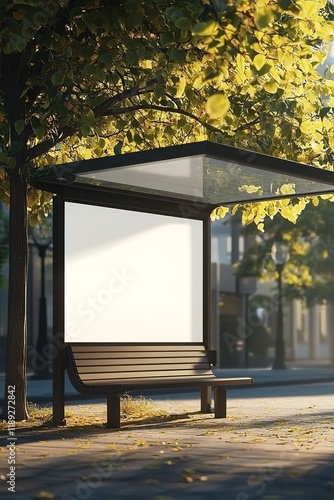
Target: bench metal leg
{"x":206,"y":399}
{"x":113,"y":411}
{"x":220,"y":402}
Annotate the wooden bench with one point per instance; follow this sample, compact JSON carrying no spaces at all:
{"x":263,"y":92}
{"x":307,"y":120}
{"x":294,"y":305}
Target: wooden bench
{"x":113,"y":369}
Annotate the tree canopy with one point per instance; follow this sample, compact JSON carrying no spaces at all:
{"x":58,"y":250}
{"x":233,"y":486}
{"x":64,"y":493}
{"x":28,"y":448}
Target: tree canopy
{"x":95,"y":77}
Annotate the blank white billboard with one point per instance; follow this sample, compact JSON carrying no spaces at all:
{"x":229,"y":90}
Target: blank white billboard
{"x":132,"y":276}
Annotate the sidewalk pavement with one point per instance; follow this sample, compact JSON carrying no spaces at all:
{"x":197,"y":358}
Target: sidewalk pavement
{"x":40,"y":391}
{"x":275,"y":444}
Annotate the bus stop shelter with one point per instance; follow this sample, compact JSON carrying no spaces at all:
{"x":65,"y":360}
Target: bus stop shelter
{"x":132,"y":257}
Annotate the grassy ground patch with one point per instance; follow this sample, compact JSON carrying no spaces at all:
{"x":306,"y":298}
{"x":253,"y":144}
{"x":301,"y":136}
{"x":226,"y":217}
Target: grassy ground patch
{"x":132,"y":408}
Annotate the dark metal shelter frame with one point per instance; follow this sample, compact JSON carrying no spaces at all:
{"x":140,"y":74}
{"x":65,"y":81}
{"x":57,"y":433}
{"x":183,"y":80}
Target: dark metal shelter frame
{"x":182,"y":181}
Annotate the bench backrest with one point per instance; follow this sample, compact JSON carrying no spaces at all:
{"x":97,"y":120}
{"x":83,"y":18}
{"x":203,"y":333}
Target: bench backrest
{"x":98,"y":363}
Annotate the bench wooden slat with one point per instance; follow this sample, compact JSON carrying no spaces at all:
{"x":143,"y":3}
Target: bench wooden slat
{"x":114,"y":369}
{"x":129,"y":367}
{"x":174,"y":382}
{"x":103,"y":347}
{"x":125,"y":375}
{"x":139,"y":355}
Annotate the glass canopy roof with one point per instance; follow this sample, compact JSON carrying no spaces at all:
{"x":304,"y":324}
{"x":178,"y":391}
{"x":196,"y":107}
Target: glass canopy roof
{"x":204,"y":171}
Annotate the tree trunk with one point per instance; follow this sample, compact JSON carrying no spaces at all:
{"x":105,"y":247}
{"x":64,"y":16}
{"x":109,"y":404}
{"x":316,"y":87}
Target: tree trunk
{"x":17,"y":298}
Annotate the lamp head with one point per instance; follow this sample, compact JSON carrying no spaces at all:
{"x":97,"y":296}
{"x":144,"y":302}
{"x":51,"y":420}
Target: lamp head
{"x":280,"y":252}
{"x":42,"y":233}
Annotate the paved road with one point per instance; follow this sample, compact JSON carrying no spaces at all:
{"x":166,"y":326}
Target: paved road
{"x":277,"y":443}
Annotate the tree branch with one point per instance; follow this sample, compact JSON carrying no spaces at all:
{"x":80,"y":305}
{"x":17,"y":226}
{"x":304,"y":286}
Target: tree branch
{"x":165,"y":109}
{"x":126,"y":94}
{"x":101,"y":110}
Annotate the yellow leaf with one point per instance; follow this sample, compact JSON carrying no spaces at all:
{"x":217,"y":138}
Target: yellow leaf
{"x":205,"y":28}
{"x":217,"y":106}
{"x":261,"y":227}
{"x":288,"y":189}
{"x":234,"y":209}
{"x":240,"y":63}
{"x":250,"y":189}
{"x":214,"y":215}
{"x":270,"y":87}
{"x":45,"y":495}
{"x":222,"y":211}
{"x":274,"y":74}
{"x":180,"y":88}
{"x":308,"y":8}
{"x":289,"y":214}
{"x":259,"y":61}
{"x":315,"y":201}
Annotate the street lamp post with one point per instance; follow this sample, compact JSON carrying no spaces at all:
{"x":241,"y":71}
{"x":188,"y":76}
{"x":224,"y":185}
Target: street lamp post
{"x":42,"y":236}
{"x":280,"y":255}
{"x":246,"y":287}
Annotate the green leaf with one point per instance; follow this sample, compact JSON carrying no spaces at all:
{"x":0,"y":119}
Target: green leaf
{"x":135,"y":20}
{"x":217,"y":105}
{"x":3,"y":157}
{"x":166,"y":38}
{"x":182,"y":23}
{"x":89,"y":70}
{"x":19,"y":126}
{"x":265,"y":69}
{"x":131,"y":58}
{"x":57,"y":78}
{"x":263,"y":17}
{"x":158,"y":91}
{"x":118,"y":148}
{"x":98,"y":151}
{"x":285,"y":4}
{"x":39,"y":131}
{"x":324,"y":111}
{"x":76,"y":11}
{"x":86,"y":52}
{"x":85,"y":130}
{"x":107,"y":60}
{"x":131,"y":5}
{"x":178,"y":55}
{"x":205,"y":28}
{"x":90,"y":117}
